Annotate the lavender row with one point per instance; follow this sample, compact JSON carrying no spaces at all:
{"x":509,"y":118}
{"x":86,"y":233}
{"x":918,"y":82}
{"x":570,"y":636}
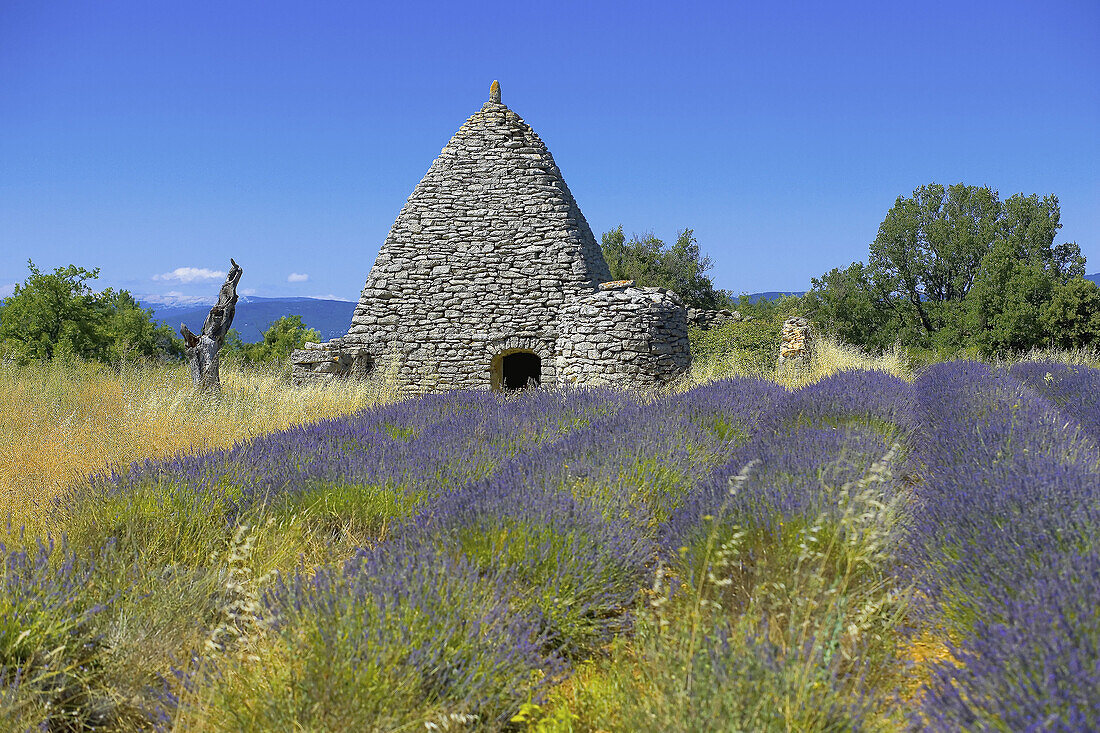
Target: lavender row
{"x":571,"y":523}
{"x":426,"y":445}
{"x":1002,"y":546}
{"x":816,"y":439}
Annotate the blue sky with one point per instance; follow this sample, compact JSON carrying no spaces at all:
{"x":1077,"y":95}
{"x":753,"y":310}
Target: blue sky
{"x":154,"y":140}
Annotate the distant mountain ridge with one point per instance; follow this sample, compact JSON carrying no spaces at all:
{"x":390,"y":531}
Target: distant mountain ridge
{"x":331,"y":317}
{"x":773,"y":294}
{"x":254,"y":315}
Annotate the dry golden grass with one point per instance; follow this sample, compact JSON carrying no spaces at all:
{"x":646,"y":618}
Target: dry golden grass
{"x":828,"y":357}
{"x":1071,"y":357}
{"x":63,"y":420}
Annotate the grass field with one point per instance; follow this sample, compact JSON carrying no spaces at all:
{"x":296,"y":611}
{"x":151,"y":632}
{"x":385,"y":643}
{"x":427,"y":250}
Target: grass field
{"x":62,"y":420}
{"x":842,"y":545}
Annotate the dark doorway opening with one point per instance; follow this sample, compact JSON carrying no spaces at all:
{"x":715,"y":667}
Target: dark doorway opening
{"x":521,"y":369}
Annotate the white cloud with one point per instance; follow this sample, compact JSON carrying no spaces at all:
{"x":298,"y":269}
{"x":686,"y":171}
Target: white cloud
{"x":330,"y":296}
{"x":191,"y":274}
{"x":248,"y":291}
{"x":297,"y":277}
{"x":6,"y":290}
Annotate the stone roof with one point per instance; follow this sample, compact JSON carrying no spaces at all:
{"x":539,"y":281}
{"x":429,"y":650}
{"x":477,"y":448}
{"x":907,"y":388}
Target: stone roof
{"x":490,"y":243}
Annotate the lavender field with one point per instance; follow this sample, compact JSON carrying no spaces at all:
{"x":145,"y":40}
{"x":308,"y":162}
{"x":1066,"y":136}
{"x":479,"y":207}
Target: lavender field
{"x":861,"y":553}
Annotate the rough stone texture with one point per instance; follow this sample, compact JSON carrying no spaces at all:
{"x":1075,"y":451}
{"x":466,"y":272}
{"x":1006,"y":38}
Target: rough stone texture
{"x":322,"y":362}
{"x":707,"y":320}
{"x":624,"y":336}
{"x":482,"y":261}
{"x":795,"y":340}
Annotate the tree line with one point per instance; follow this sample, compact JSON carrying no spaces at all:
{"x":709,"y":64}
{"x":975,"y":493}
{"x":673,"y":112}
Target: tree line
{"x":956,"y":268}
{"x":58,"y":313}
{"x":951,"y":270}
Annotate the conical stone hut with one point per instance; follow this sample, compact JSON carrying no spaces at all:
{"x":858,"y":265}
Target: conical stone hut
{"x":489,"y":258}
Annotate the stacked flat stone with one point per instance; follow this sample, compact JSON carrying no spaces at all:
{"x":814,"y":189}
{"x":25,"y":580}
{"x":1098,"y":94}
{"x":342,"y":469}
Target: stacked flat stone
{"x":486,"y":255}
{"x":624,"y":336}
{"x":486,"y":250}
{"x":794,"y":340}
{"x":322,"y":362}
{"x":708,"y":319}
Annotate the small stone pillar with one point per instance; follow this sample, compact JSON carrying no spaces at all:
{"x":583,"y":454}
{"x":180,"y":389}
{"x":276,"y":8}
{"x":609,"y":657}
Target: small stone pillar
{"x":795,"y":340}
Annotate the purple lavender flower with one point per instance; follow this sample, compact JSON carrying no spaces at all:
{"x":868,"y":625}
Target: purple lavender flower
{"x":402,"y":631}
{"x":1002,"y":546}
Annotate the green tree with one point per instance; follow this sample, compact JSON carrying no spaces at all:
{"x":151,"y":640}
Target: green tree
{"x":926,"y":256}
{"x":52,"y":312}
{"x":952,"y":268}
{"x":1019,"y":276}
{"x":130,"y":331}
{"x":283,"y":336}
{"x":1072,"y":315}
{"x":845,"y":303}
{"x":649,"y":261}
{"x":59,"y":313}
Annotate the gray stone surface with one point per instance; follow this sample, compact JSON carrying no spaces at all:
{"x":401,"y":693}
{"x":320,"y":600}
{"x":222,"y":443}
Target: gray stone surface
{"x":487,"y":258}
{"x":625,"y":337}
{"x":706,"y":319}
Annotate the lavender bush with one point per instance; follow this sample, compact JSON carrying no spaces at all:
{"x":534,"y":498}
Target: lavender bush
{"x":49,"y":642}
{"x":1003,"y":548}
{"x":1075,"y":389}
{"x":393,"y":639}
{"x":819,"y":437}
{"x":580,"y":571}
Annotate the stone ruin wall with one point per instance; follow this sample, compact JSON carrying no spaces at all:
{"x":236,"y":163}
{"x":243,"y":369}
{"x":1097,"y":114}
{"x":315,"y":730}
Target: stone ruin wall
{"x":323,"y":362}
{"x":624,"y":336}
{"x":708,"y":319}
{"x":796,"y":340}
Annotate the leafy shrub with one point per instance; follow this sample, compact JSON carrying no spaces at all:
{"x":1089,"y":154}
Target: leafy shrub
{"x":752,"y":346}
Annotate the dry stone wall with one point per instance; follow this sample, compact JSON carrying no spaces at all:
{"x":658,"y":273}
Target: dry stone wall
{"x":624,"y":336}
{"x":708,"y":319}
{"x":488,"y":248}
{"x":488,"y":258}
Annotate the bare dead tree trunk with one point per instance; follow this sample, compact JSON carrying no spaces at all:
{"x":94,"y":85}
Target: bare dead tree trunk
{"x":202,"y":350}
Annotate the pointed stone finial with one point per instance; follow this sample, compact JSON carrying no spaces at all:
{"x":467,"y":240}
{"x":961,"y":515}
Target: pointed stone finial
{"x":494,"y":92}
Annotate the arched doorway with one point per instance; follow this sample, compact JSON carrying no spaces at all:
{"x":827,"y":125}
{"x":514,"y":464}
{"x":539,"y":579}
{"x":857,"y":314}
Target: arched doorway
{"x":516,"y":369}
